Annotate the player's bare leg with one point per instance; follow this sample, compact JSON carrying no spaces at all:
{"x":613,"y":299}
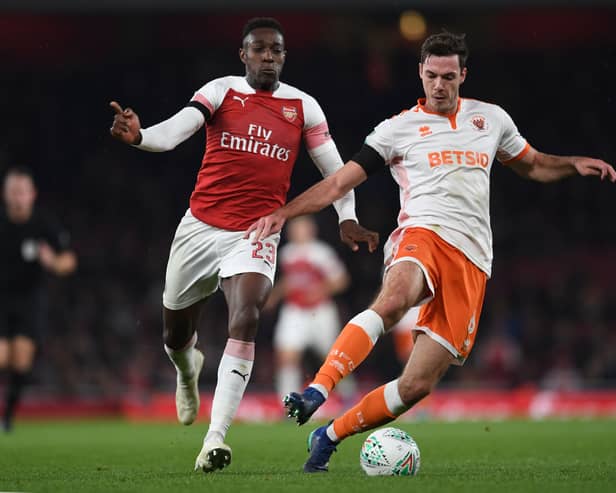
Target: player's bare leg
{"x":180,"y":337}
{"x":245,"y":294}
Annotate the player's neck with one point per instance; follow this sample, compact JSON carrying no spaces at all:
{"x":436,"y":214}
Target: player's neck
{"x":17,"y":216}
{"x":452,"y":110}
{"x":261,"y":87}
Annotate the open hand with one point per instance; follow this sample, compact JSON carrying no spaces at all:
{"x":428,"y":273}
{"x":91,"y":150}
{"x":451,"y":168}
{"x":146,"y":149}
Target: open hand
{"x":587,"y":166}
{"x":352,"y":233}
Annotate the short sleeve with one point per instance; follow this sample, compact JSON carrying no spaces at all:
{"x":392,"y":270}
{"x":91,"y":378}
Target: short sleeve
{"x":512,"y":146}
{"x":381,"y":140}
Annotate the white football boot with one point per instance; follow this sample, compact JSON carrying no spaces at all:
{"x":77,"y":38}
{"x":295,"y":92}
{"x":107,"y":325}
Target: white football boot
{"x":214,"y":455}
{"x":187,"y":393}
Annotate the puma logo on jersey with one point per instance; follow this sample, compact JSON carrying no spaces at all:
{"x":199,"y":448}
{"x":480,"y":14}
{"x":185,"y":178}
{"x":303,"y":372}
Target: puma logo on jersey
{"x":241,"y":100}
{"x":243,"y":375}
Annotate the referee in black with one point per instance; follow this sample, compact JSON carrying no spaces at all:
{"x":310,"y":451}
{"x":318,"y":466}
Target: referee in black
{"x":31,"y":244}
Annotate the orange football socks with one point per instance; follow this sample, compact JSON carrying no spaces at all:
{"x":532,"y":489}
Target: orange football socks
{"x":351,"y":348}
{"x":371,"y":412}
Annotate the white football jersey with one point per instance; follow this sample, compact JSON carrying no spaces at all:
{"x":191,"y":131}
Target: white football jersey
{"x":442,"y":165}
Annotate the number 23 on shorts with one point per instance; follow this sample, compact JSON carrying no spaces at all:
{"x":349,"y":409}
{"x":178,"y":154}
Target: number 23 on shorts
{"x":265,"y":251}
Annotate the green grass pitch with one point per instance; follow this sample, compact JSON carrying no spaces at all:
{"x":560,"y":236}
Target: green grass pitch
{"x":116,"y":456}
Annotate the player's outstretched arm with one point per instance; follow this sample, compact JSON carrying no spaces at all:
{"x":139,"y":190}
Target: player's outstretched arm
{"x":328,"y":161}
{"x":161,"y":137}
{"x":545,"y":168}
{"x":312,"y":200}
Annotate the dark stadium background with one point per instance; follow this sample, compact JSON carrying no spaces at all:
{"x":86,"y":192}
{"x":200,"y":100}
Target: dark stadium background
{"x":550,"y":313}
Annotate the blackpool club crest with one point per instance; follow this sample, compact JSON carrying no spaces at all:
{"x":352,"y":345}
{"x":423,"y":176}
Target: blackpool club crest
{"x":479,"y":123}
{"x":289,"y":112}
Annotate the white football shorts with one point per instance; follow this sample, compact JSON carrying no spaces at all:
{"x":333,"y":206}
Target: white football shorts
{"x":299,"y":328}
{"x":201,"y":255}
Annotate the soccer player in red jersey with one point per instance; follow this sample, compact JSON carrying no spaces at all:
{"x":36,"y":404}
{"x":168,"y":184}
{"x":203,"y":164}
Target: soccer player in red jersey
{"x":254,"y":127}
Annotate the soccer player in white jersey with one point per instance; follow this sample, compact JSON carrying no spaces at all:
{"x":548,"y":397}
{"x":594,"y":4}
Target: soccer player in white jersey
{"x":440,"y":153}
{"x":311,"y":274}
{"x":255,"y":125}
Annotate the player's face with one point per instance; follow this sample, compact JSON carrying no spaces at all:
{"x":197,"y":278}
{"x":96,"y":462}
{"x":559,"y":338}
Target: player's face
{"x":441,"y":77}
{"x":19,"y":196}
{"x":302,"y":230}
{"x":263,"y":54}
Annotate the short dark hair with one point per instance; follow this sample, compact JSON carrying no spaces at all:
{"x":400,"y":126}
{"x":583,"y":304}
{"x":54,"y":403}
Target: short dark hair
{"x":257,"y":22}
{"x":445,"y":44}
{"x":19,"y":170}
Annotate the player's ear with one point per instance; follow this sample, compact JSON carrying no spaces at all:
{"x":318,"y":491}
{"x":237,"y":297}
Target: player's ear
{"x":243,"y":55}
{"x":420,"y":69}
{"x":463,"y":75}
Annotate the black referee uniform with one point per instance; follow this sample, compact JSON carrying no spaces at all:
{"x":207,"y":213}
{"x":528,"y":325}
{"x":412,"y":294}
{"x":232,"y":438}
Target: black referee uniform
{"x":23,"y":299}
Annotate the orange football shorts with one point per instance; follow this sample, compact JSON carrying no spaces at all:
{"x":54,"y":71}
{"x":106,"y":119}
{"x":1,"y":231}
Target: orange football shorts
{"x":451,"y":316}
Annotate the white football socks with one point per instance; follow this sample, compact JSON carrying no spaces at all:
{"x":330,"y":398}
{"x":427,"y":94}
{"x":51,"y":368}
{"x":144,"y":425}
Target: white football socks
{"x":233,"y":375}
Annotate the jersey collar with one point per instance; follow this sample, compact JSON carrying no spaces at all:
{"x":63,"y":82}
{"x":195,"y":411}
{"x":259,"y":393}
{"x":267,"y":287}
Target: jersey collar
{"x":421,"y":104}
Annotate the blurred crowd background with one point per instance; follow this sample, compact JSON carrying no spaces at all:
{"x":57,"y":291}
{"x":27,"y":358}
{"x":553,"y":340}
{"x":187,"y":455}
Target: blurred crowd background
{"x":549,"y":318}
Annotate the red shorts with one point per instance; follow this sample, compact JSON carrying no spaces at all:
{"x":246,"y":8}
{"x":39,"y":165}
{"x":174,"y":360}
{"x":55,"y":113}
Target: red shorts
{"x":451,"y":315}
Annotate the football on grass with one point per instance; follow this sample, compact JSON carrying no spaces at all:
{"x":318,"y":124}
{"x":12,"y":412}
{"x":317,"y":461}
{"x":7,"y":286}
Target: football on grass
{"x":389,"y":452}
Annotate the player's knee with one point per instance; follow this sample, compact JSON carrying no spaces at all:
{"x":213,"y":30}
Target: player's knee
{"x":413,"y":390}
{"x":177,"y":333}
{"x":391,"y":309}
{"x":288,"y":358}
{"x":243,"y":323}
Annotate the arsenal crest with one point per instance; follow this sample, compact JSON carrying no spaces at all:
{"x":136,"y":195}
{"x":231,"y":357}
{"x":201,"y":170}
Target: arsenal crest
{"x":479,"y":122}
{"x":289,"y":112}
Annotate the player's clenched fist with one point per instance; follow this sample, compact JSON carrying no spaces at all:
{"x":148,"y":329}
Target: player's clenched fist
{"x":126,"y":126}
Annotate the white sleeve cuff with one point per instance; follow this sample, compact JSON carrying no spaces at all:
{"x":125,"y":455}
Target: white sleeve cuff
{"x":328,"y":161}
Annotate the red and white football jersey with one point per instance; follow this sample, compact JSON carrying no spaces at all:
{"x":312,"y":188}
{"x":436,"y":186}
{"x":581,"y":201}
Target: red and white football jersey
{"x":306,"y":267}
{"x":253,"y":140}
